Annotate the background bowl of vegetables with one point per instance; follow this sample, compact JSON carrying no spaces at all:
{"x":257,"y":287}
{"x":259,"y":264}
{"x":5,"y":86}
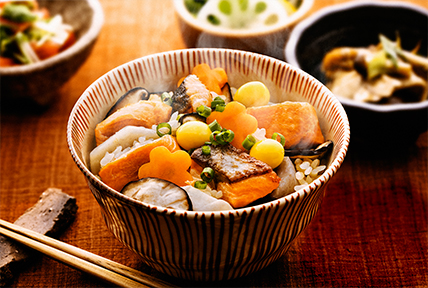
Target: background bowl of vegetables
{"x":384,"y":88}
{"x":221,"y":242}
{"x":43,"y":43}
{"x":253,"y":25}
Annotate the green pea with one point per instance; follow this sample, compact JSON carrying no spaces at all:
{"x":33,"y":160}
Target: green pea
{"x":260,"y":7}
{"x":225,"y":7}
{"x":213,"y":19}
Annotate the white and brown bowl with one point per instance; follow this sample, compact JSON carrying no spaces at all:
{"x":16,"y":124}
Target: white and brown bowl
{"x":218,"y":245}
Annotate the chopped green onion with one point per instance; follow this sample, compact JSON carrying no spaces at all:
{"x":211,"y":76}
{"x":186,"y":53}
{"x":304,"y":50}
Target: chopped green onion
{"x":217,"y":101}
{"x":248,"y":142}
{"x":213,"y":137}
{"x":222,"y":138}
{"x":201,"y":184}
{"x":220,"y":107}
{"x":227,"y":136}
{"x":214,"y":126}
{"x":190,"y":151}
{"x":166,"y":98}
{"x":203,"y":111}
{"x":163,"y":129}
{"x":206,"y":150}
{"x":282,"y":138}
{"x":207,"y":174}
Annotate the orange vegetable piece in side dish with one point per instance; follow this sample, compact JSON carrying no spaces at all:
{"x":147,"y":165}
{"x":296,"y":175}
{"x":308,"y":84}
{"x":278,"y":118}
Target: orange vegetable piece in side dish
{"x":6,"y":62}
{"x":235,"y":118}
{"x":167,"y":166}
{"x":123,"y":170}
{"x":244,"y":192}
{"x":213,"y":79}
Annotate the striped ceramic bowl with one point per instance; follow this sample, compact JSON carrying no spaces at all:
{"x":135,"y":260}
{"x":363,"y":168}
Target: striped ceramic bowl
{"x":207,"y":245}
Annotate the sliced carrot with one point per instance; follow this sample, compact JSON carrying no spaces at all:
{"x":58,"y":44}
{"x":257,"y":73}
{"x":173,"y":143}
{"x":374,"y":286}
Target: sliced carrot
{"x":167,"y":166}
{"x":50,"y":48}
{"x":123,"y":170}
{"x":47,"y":49}
{"x":235,"y":118}
{"x":214,"y":79}
{"x":7,"y":62}
{"x":244,"y":192}
{"x":144,"y":113}
{"x":220,"y":75}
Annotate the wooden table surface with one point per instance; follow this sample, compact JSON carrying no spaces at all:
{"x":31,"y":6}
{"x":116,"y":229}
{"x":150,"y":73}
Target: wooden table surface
{"x":371,"y":229}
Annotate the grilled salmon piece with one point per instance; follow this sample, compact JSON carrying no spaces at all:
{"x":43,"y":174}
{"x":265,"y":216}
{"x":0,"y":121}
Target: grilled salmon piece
{"x":244,"y":192}
{"x":241,"y":178}
{"x":229,"y":163}
{"x":124,"y":169}
{"x":296,"y":121}
{"x":191,"y":94}
{"x":144,"y":113}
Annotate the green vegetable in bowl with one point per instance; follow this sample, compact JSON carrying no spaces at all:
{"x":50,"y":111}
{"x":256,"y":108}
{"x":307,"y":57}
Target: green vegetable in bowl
{"x":241,"y":14}
{"x":194,"y":5}
{"x":29,"y":34}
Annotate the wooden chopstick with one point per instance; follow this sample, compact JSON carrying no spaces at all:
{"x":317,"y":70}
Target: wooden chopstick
{"x":105,"y":269}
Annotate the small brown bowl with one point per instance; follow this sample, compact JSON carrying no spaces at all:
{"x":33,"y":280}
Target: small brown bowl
{"x":38,"y":83}
{"x":375,"y":127}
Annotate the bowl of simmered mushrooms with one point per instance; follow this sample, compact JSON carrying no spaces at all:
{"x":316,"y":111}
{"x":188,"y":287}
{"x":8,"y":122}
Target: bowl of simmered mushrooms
{"x":373,"y":57}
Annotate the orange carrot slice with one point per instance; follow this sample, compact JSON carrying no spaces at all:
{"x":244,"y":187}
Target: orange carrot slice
{"x":235,"y":118}
{"x":244,"y":192}
{"x":213,"y":79}
{"x":123,"y":170}
{"x":7,"y":62}
{"x":167,"y":166}
{"x":47,"y":49}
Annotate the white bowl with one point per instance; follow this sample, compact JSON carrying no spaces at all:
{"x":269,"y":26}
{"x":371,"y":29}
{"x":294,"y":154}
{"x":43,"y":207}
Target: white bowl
{"x":267,"y":40}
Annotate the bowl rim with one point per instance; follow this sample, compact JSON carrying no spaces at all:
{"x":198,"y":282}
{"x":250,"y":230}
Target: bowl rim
{"x":82,"y":42}
{"x":188,"y":18}
{"x":316,"y":185}
{"x":298,"y":30}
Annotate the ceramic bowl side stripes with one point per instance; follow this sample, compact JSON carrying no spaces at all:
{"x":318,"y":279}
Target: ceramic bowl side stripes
{"x":207,"y":246}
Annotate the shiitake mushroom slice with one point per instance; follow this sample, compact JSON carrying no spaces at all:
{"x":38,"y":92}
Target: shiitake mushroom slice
{"x":191,"y":117}
{"x":318,"y":152}
{"x":227,"y":92}
{"x":158,"y":192}
{"x":130,"y":97}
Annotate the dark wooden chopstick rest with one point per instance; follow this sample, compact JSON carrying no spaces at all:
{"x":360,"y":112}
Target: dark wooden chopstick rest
{"x":54,"y":212}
